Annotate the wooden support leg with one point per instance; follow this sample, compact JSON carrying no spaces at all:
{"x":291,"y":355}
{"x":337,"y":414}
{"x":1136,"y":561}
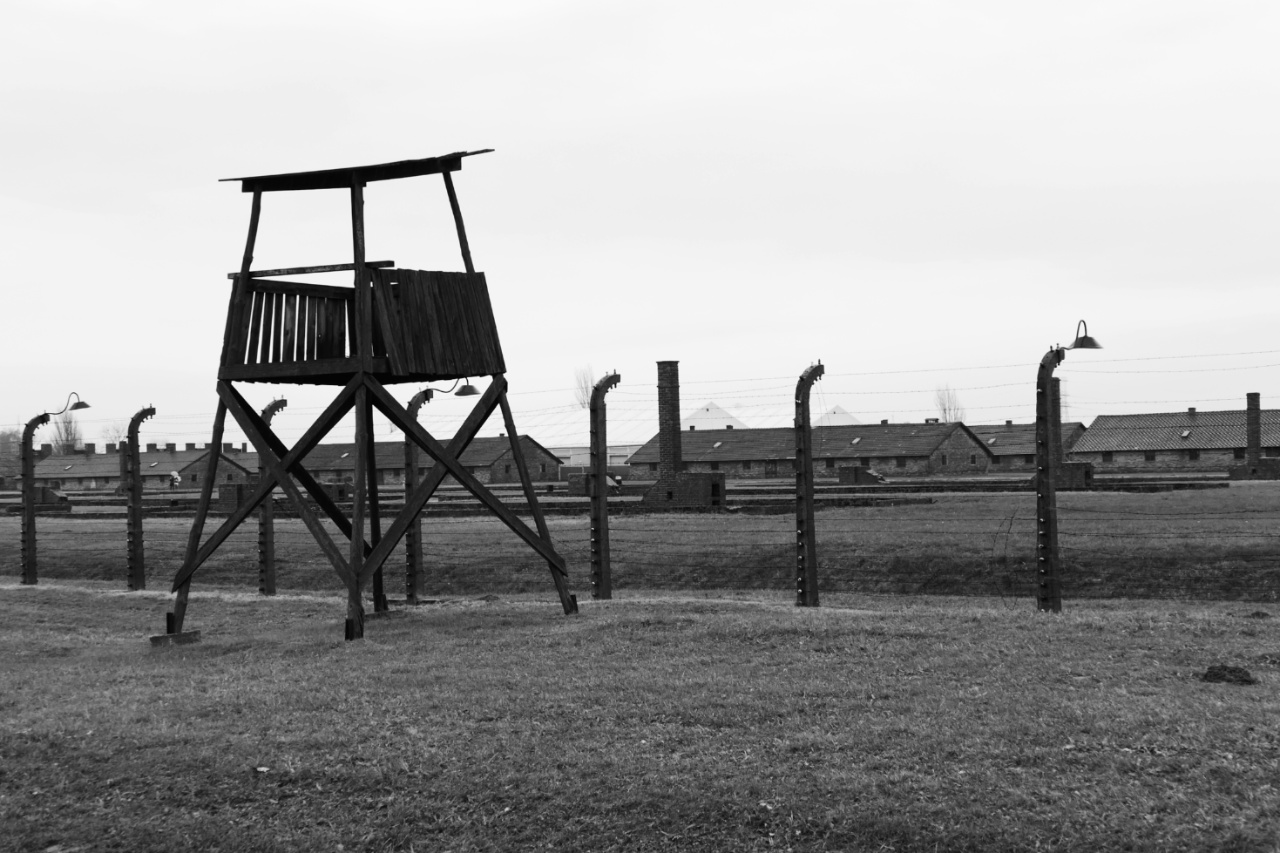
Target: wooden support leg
{"x":375,"y":527}
{"x":355,"y":608}
{"x":355,"y":613}
{"x":567,"y":600}
{"x":179,"y":612}
{"x":173,"y":625}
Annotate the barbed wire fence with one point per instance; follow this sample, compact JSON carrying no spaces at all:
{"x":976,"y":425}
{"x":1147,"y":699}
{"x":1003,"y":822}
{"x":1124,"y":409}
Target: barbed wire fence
{"x":1213,"y":542}
{"x":1210,"y":544}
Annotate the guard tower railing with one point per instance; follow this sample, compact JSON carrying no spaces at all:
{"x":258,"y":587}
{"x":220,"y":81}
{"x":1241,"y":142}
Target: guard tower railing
{"x":427,"y":325}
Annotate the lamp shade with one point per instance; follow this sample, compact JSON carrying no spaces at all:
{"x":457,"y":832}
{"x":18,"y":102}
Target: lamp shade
{"x":1086,"y":342}
{"x":1083,"y":339}
{"x":467,"y":390}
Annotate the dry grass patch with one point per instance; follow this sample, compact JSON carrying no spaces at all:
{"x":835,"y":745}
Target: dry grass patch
{"x":718,"y":722}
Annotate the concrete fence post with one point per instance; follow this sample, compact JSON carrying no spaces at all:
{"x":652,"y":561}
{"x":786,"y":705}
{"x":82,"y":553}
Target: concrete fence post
{"x":30,"y":574}
{"x":267,"y":520}
{"x":598,"y":489}
{"x":1048,"y":561}
{"x":806,"y":535}
{"x":131,"y":477}
{"x":1253,"y":429}
{"x":414,"y":578}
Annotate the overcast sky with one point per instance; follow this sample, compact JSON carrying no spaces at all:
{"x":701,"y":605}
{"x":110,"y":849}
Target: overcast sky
{"x":917,"y":193}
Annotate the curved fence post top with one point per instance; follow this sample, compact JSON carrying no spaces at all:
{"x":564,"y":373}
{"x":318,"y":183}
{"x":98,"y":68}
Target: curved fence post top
{"x":602,"y":387}
{"x":137,"y":419}
{"x":810,"y":375}
{"x":271,"y":408}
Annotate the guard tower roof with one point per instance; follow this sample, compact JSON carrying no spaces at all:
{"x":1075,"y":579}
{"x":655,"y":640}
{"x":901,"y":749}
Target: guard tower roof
{"x":329,"y":179}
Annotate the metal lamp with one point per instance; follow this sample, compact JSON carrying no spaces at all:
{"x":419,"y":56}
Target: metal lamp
{"x":29,"y":562}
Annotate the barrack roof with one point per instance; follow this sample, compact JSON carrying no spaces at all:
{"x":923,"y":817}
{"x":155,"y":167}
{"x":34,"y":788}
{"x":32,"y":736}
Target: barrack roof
{"x":328,"y":179}
{"x":853,"y":441}
{"x":1176,"y":430}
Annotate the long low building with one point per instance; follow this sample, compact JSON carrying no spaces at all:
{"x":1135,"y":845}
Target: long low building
{"x":89,"y":470}
{"x":1181,"y":441}
{"x":892,"y":449}
{"x":1013,"y":446}
{"x":489,"y":460}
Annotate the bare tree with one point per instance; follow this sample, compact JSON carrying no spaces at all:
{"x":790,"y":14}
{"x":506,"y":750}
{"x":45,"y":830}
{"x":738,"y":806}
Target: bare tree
{"x":948,"y":403}
{"x":66,"y":433}
{"x":584,"y":380}
{"x":10,"y":441}
{"x":116,"y":432}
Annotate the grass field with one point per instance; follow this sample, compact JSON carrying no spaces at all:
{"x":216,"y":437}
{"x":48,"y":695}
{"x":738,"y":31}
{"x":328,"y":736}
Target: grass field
{"x":723,"y":721}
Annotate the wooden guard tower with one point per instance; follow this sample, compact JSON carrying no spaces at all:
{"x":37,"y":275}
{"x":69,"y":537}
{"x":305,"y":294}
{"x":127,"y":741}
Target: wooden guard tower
{"x":393,"y":325}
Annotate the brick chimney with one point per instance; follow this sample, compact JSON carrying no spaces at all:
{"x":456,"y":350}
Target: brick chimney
{"x":1253,"y":428}
{"x":111,"y":447}
{"x":151,"y":448}
{"x":171,"y":447}
{"x":670,"y":457}
{"x":191,"y":445}
{"x":90,"y":448}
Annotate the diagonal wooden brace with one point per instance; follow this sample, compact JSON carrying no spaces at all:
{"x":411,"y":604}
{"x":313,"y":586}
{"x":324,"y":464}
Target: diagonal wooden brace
{"x":332,"y":414}
{"x":518,"y":455}
{"x":422,"y":493}
{"x":254,"y":429}
{"x":291,"y":459}
{"x":390,"y":407}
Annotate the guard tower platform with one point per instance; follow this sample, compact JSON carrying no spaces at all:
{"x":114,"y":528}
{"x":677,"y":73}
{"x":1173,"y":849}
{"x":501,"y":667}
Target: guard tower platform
{"x":390,"y":326}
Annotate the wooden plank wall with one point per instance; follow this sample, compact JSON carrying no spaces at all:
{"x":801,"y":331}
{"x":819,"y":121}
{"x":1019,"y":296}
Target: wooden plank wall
{"x":426,"y":325}
{"x":436,"y":324}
